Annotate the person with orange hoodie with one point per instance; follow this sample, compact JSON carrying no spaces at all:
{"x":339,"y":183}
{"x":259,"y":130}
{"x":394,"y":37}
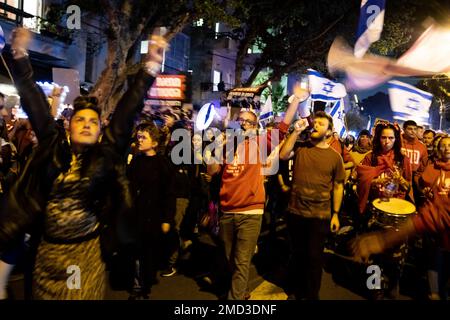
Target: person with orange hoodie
{"x":411,"y":145}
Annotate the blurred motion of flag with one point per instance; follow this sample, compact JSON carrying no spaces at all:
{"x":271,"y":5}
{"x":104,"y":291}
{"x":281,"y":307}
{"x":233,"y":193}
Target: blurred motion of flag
{"x":370,"y":25}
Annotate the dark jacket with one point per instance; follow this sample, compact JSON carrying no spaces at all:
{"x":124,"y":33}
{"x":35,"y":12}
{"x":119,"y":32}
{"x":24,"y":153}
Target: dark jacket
{"x":103,"y":164}
{"x":153,"y":188}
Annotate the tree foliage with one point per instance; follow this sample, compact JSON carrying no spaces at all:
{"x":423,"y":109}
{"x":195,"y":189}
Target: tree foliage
{"x":126,"y":22}
{"x":438,"y":86}
{"x":292,"y":35}
{"x":295,"y":35}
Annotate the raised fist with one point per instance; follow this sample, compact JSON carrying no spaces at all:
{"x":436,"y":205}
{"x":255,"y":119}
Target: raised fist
{"x":156,"y":45}
{"x":20,"y":40}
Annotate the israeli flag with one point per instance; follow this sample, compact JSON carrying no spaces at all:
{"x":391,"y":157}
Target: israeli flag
{"x":2,"y":39}
{"x":370,"y":25}
{"x":336,"y":111}
{"x":323,"y":89}
{"x":266,"y":111}
{"x":409,"y":103}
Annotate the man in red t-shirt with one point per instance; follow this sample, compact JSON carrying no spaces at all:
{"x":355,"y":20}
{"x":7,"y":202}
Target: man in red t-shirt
{"x":412,"y":147}
{"x":242,"y":195}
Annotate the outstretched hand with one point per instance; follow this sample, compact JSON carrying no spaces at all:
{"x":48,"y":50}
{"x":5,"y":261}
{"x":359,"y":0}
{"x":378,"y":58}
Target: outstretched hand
{"x":20,"y":41}
{"x":156,"y":46}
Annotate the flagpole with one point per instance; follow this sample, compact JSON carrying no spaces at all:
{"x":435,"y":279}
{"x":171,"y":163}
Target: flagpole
{"x":7,"y":69}
{"x":345,"y":117}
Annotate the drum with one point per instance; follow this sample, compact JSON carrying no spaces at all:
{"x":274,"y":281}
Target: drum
{"x":392,"y":212}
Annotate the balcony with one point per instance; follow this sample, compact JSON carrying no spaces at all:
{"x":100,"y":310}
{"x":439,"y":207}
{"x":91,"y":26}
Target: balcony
{"x":46,"y":28}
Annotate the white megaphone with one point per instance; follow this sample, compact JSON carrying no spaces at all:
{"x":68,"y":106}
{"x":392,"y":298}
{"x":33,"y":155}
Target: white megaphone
{"x":205,"y":116}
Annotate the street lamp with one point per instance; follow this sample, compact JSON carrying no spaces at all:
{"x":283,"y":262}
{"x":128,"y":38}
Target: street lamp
{"x":441,"y":113}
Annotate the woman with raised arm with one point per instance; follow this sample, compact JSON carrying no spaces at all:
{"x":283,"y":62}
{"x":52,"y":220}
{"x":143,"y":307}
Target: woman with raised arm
{"x":74,"y":194}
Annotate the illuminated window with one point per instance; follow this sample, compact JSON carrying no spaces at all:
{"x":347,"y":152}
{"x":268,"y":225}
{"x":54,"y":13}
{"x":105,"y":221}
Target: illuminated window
{"x":217,"y":28}
{"x":34,"y":8}
{"x":198,"y":23}
{"x":216,"y":79}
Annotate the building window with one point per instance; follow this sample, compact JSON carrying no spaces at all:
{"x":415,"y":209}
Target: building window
{"x":12,"y":3}
{"x":217,"y":29}
{"x":34,"y":8}
{"x":217,"y":77}
{"x":199,"y":23}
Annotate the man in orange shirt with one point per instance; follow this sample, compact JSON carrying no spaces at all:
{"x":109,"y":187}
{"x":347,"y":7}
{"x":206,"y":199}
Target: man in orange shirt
{"x":242,"y":195}
{"x":412,"y":147}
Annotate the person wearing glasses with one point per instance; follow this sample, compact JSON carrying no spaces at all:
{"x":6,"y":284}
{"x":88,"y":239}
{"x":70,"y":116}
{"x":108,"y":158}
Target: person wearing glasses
{"x":74,"y":194}
{"x":242,"y":194}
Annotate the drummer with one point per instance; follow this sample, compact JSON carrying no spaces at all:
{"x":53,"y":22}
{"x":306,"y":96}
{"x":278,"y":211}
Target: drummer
{"x":385,"y":163}
{"x":384,"y":173}
{"x":433,"y":217}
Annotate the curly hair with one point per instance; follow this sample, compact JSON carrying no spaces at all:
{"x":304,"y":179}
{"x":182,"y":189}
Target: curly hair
{"x":377,"y":149}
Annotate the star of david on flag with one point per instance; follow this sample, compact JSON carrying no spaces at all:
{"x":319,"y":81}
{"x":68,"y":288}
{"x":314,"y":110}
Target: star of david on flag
{"x":323,"y":89}
{"x":370,"y":25}
{"x":408,"y":102}
{"x":336,"y":111}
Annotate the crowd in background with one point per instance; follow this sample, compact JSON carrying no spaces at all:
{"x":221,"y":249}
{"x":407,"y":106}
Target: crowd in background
{"x":321,"y":179}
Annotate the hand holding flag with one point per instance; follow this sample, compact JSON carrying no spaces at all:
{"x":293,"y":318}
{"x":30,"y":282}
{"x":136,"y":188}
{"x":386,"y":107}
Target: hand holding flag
{"x":428,"y":56}
{"x":370,"y":25}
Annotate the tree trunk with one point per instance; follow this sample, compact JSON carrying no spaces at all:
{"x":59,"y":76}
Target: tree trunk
{"x":259,"y":65}
{"x":242,"y":52}
{"x":110,"y":86}
{"x":108,"y":80}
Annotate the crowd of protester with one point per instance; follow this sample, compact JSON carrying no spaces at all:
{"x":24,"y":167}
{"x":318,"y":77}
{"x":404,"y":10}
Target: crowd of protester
{"x":110,"y":197}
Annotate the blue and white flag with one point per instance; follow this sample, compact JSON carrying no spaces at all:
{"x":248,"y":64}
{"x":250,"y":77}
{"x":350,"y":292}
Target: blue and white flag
{"x":266,"y":111}
{"x":323,"y":89}
{"x":2,"y":39}
{"x":370,"y":25}
{"x":409,"y":103}
{"x":336,"y":111}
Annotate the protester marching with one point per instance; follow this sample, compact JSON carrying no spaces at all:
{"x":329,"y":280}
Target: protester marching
{"x":124,"y":189}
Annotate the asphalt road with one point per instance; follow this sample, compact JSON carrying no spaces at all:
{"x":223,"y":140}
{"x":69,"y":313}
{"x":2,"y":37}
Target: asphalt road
{"x":342,"y":279}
